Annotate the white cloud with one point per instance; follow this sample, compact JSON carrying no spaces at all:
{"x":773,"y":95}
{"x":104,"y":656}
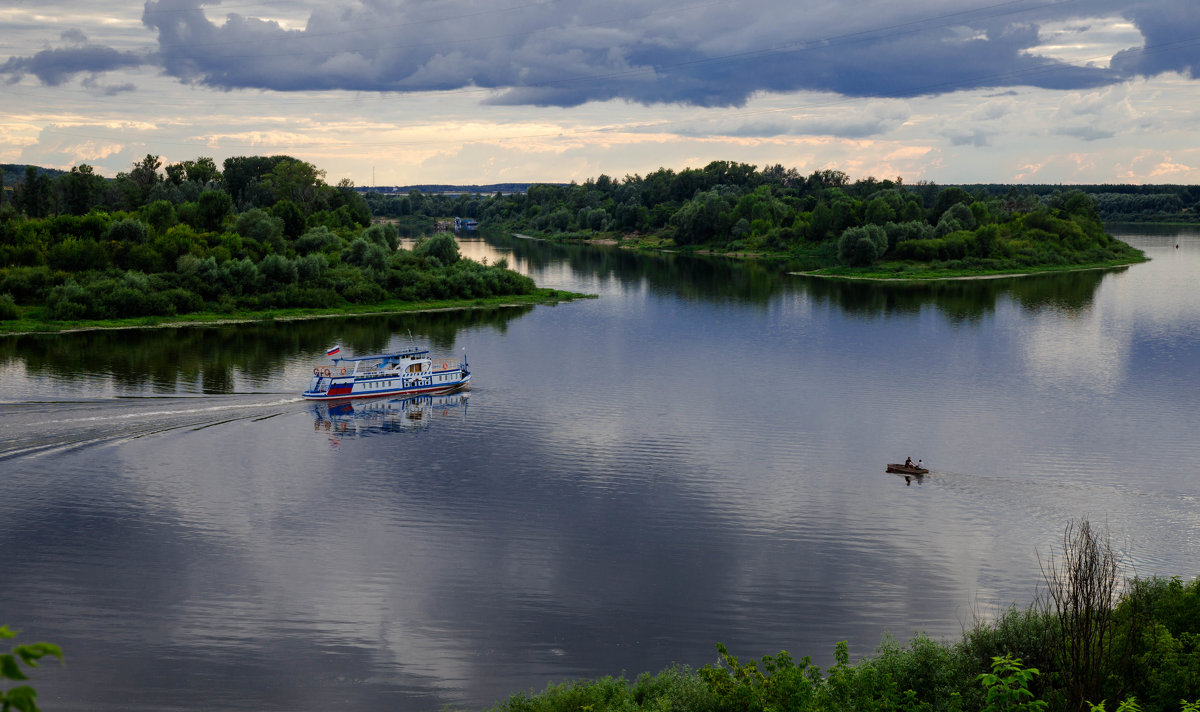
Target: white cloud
{"x":1090,"y":42}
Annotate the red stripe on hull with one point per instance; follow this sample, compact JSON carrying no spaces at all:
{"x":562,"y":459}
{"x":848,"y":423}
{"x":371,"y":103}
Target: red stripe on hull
{"x":339,"y":394}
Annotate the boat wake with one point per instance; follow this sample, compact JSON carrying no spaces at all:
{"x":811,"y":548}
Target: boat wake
{"x":40,"y":428}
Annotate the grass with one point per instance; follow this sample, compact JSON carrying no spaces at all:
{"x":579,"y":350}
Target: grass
{"x":899,"y":271}
{"x":28,"y":321}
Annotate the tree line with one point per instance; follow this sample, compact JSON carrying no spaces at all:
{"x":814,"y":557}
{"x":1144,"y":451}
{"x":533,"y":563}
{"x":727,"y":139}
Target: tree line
{"x":257,"y":233}
{"x":823,"y":218}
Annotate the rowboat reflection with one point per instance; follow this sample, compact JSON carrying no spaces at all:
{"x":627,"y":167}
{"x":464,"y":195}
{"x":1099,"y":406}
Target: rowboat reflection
{"x":382,"y":415}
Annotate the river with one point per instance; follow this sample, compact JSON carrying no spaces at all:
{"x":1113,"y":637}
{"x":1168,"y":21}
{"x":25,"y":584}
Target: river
{"x":695,"y":456}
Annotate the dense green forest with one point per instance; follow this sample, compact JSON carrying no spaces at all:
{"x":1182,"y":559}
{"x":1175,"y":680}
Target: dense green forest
{"x":1090,"y":642}
{"x":257,"y":234}
{"x":822,"y":220}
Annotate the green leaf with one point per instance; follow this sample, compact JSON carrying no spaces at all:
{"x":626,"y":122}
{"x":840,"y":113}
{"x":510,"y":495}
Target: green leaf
{"x":36,"y":651}
{"x":22,"y":698}
{"x":9,"y":668}
{"x":6,"y":633}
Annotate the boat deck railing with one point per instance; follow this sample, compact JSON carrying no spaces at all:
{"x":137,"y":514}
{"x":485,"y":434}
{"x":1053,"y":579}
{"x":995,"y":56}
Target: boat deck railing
{"x":437,"y":364}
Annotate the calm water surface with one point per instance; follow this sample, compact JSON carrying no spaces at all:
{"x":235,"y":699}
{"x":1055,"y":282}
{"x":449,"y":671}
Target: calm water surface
{"x":696,"y":456}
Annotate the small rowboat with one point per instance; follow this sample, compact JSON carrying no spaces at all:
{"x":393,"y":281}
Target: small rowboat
{"x":906,"y":470}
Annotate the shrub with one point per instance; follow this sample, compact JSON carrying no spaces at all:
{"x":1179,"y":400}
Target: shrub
{"x":128,"y":230}
{"x":26,"y":284}
{"x":278,"y":270}
{"x":74,"y":255}
{"x":318,"y":239}
{"x":366,"y":254}
{"x":365,"y":292}
{"x":441,"y":246}
{"x":68,"y":302}
{"x":262,"y":227}
{"x":1008,"y":687}
{"x":782,"y":684}
{"x":861,"y":246}
{"x":8,"y":308}
{"x":22,"y":697}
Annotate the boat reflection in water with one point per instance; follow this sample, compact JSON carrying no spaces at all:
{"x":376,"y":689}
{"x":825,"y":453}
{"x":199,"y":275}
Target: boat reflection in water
{"x":386,"y":415}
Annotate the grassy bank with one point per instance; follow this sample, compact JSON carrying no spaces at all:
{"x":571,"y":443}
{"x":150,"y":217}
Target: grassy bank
{"x":32,"y":319}
{"x":906,"y":271}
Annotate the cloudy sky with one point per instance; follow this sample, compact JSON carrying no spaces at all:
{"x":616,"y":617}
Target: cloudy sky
{"x":392,"y":92}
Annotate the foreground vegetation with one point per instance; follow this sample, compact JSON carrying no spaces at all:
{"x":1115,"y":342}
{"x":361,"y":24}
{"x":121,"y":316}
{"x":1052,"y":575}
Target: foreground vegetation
{"x":821,"y":222}
{"x":1083,"y":645}
{"x":264,"y":235}
{"x":22,"y":697}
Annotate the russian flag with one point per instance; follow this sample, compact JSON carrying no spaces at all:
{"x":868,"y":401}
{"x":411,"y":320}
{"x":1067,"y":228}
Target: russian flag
{"x":335,"y":350}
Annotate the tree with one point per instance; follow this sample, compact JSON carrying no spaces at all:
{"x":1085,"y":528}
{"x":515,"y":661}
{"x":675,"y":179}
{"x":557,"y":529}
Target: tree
{"x":292,"y":217}
{"x":34,"y":198}
{"x":161,"y":215}
{"x":130,"y":230}
{"x":211,"y":209}
{"x":260,"y":225}
{"x":176,"y":173}
{"x":1081,"y":592}
{"x":296,"y":180}
{"x":80,"y":188}
{"x":203,"y":170}
{"x":443,"y":246}
{"x":145,"y":174}
{"x":861,"y":246}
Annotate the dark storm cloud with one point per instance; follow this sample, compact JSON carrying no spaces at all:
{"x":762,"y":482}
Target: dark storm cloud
{"x":696,"y":52}
{"x":55,"y":66}
{"x":1172,"y":32}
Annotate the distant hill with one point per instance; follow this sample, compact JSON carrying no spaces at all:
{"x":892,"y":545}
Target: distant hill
{"x":15,"y":172}
{"x":430,"y":188}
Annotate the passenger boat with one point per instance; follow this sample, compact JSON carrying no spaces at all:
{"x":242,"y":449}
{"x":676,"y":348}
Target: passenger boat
{"x":906,"y":470}
{"x":407,"y":372}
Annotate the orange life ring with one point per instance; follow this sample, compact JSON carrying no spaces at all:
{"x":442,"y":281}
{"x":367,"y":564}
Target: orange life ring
{"x":343,"y":372}
{"x":316,"y":372}
{"x":445,"y":365}
{"x":327,"y":372}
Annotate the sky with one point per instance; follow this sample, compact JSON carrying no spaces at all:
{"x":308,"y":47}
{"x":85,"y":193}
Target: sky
{"x":401,"y":92}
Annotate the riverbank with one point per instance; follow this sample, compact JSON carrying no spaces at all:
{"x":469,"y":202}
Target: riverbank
{"x":949,"y":276}
{"x":25,"y":325}
{"x":883,"y":272}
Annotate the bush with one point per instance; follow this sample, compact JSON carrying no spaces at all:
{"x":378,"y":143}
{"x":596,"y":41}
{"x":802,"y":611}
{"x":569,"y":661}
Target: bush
{"x":26,"y":284}
{"x":68,"y":302}
{"x":262,"y":227}
{"x":366,"y":254}
{"x":860,"y":246}
{"x":278,"y":270}
{"x":442,"y":246}
{"x":905,"y":231}
{"x":74,"y":255}
{"x":129,"y":231}
{"x":8,"y":308}
{"x":318,"y":239}
{"x":365,"y":292}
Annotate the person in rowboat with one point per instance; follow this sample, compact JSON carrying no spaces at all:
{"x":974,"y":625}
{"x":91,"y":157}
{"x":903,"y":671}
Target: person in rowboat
{"x":908,"y":462}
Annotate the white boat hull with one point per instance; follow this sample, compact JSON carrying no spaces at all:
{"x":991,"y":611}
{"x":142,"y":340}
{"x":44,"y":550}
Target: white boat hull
{"x":404,"y":373}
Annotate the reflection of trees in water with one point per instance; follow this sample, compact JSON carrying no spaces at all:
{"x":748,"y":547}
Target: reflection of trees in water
{"x":161,"y":359}
{"x":714,"y":278}
{"x":721,"y":279}
{"x":960,"y":300}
